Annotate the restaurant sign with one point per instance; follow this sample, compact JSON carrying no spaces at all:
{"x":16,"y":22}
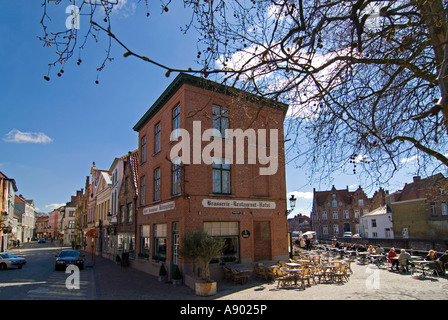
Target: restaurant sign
{"x":159,"y":208}
{"x":238,"y":204}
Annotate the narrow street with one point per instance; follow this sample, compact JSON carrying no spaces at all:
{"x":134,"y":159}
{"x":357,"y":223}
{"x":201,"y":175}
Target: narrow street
{"x":38,"y":279}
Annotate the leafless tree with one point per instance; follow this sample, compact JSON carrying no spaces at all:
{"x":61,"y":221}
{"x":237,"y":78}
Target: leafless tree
{"x":365,"y":79}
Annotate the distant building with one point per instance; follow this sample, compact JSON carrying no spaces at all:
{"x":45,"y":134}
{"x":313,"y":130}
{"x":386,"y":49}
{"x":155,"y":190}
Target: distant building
{"x":299,"y":223}
{"x":420,"y":211}
{"x":337,"y":211}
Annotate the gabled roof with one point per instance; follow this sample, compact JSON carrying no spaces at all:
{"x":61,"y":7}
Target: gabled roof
{"x":421,"y":188}
{"x":203,"y":83}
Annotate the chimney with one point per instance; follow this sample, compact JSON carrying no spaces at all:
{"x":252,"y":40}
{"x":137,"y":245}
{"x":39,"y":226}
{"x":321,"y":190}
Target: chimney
{"x":417,"y":179}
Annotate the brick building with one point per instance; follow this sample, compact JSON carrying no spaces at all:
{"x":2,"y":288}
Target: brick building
{"x":184,"y":186}
{"x":337,"y":211}
{"x":420,"y":209}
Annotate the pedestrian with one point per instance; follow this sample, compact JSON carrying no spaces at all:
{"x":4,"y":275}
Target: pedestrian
{"x":18,"y":243}
{"x":308,"y":244}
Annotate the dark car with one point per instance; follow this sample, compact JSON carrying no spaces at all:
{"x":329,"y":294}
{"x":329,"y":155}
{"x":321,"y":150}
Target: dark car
{"x":69,"y":257}
{"x":42,"y":240}
{"x":8,"y":260}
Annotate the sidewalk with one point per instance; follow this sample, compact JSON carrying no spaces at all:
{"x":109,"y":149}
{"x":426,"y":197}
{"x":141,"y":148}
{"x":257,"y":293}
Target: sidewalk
{"x":367,"y":282}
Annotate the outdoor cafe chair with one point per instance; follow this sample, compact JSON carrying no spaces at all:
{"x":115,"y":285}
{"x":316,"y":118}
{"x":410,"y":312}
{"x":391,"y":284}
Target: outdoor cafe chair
{"x":340,"y":274}
{"x":227,"y":273}
{"x":284,"y":277}
{"x":240,"y":277}
{"x":260,"y":271}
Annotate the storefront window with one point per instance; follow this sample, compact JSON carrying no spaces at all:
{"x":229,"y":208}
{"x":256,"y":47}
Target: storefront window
{"x":144,"y":240}
{"x":229,"y":230}
{"x":160,"y":233}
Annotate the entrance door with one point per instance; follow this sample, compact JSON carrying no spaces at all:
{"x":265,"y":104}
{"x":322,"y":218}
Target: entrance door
{"x":262,"y":240}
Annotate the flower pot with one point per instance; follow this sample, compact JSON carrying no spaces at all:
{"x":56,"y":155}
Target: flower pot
{"x":205,"y":288}
{"x":163,"y":278}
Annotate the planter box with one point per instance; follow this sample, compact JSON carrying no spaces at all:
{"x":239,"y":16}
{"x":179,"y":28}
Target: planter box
{"x":205,"y":289}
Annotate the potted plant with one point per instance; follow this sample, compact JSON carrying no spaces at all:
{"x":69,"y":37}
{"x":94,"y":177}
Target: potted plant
{"x":201,"y":249}
{"x":163,"y":275}
{"x":177,"y":276}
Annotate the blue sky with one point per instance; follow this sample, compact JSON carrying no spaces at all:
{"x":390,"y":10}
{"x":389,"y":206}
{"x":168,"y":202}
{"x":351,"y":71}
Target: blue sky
{"x":52,"y":131}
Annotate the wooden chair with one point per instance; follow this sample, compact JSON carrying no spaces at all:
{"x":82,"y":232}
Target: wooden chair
{"x":318,"y":272}
{"x":260,"y":271}
{"x":304,"y":276}
{"x":340,"y":274}
{"x":284,"y":278}
{"x":240,"y":277}
{"x":227,"y":273}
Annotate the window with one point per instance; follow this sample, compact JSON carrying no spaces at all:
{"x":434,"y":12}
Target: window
{"x":229,"y":230}
{"x":335,"y":229}
{"x":143,"y":148}
{"x":129,"y":212}
{"x":157,"y":184}
{"x":335,"y":215}
{"x":220,"y":119}
{"x":444,"y":209}
{"x":176,"y":176}
{"x":142,"y":190}
{"x":157,"y":138}
{"x":221,"y":177}
{"x":357,"y":213}
{"x":160,"y":240}
{"x":145,"y":239}
{"x":122,"y":214}
{"x":433,"y":209}
{"x":374,"y":235}
{"x":334,"y":203}
{"x":176,"y":122}
{"x":373,"y":223}
{"x":345,"y":214}
{"x":324,"y":215}
{"x":325,"y":230}
{"x":387,"y":232}
{"x":360,"y":202}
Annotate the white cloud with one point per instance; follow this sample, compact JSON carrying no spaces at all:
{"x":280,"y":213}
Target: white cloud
{"x":53,"y":206}
{"x":410,"y":159}
{"x":300,"y":195}
{"x":18,"y":136}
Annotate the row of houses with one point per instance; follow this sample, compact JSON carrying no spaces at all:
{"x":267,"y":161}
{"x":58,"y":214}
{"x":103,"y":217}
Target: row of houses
{"x":208,"y":159}
{"x":418,"y":211}
{"x":17,"y":215}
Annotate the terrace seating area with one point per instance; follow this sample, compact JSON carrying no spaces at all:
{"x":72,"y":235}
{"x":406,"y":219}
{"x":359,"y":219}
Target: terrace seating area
{"x":326,"y":265}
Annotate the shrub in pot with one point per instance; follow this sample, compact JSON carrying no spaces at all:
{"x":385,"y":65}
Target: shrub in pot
{"x":201,"y":249}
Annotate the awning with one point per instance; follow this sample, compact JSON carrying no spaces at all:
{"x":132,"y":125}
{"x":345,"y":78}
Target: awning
{"x":309,"y":233}
{"x":92,"y":233}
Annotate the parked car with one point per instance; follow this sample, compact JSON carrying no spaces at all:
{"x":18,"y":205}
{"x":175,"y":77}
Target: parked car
{"x":9,"y":260}
{"x":42,"y":240}
{"x":69,"y":257}
{"x":348,"y":234}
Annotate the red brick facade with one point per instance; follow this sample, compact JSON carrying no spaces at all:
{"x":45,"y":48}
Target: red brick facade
{"x":195,"y":196}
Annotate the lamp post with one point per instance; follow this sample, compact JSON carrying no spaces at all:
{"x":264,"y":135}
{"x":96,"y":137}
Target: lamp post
{"x":292,"y":202}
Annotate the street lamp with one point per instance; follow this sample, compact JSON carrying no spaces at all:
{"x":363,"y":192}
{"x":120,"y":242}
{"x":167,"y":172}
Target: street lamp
{"x":292,"y":202}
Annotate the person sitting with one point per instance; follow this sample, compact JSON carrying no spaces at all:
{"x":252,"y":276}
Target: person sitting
{"x":403,"y":260}
{"x":379,"y":249}
{"x":431,"y":256}
{"x":371,"y":249}
{"x":390,"y":258}
{"x":443,"y":261}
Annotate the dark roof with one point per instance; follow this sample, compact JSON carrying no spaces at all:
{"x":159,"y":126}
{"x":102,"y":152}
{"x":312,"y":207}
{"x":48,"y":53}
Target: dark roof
{"x":184,"y":78}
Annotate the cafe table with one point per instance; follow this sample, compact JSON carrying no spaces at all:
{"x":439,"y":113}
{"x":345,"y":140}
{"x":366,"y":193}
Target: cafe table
{"x":420,"y":265}
{"x":293,"y":265}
